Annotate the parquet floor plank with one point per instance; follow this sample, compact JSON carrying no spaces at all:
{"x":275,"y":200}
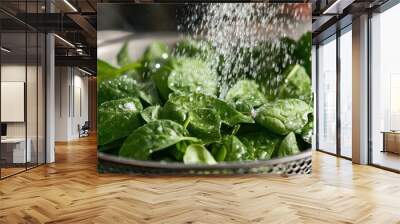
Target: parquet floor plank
{"x":71,"y":191}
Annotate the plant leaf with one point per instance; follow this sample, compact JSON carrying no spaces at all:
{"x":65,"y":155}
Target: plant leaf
{"x":150,"y":113}
{"x":296,"y":85}
{"x":205,"y":124}
{"x":287,"y":147}
{"x":283,"y":116}
{"x":117,"y":119}
{"x":198,"y":154}
{"x":188,"y":102}
{"x":152,"y":137}
{"x":245,"y":95}
{"x":260,"y":145}
{"x":192,"y":75}
{"x":123,"y":57}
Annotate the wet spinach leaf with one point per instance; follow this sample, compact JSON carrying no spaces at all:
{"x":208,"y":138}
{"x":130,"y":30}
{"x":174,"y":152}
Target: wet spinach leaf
{"x":287,"y":147}
{"x":118,"y":118}
{"x":150,"y":113}
{"x":245,"y":95}
{"x":205,"y":124}
{"x":123,"y":57}
{"x":117,"y":88}
{"x":198,"y":154}
{"x":228,"y":114}
{"x":297,"y":85}
{"x":260,"y":145}
{"x":155,"y":51}
{"x":152,"y":137}
{"x":231,"y":149}
{"x":192,"y":75}
{"x":283,"y":116}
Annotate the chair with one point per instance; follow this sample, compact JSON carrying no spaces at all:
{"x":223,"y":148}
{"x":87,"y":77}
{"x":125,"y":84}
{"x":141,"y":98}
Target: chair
{"x":84,"y":130}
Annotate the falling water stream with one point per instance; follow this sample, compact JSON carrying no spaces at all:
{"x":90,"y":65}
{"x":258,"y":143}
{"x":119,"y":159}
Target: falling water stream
{"x":247,"y":36}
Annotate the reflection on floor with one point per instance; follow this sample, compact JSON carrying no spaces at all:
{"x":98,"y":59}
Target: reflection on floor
{"x":9,"y":170}
{"x":387,"y":159}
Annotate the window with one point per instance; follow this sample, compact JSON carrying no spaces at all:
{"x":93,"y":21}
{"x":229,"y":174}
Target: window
{"x":346,"y":92}
{"x":385,"y":89}
{"x":327,"y":96}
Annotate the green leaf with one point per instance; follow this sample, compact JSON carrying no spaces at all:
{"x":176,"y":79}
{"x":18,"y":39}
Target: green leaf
{"x":156,"y":50}
{"x":302,"y":51}
{"x":288,"y":146}
{"x":160,"y":78}
{"x":117,"y":119}
{"x":152,"y":137}
{"x":105,"y":71}
{"x":245,"y":95}
{"x":231,"y":149}
{"x":150,"y":113}
{"x":307,"y":131}
{"x":260,"y":145}
{"x":296,"y":85}
{"x":283,"y":116}
{"x":205,"y":124}
{"x":123,"y":57}
{"x":192,"y":75}
{"x":193,"y":48}
{"x":117,"y":88}
{"x":186,"y":103}
{"x":198,"y":154}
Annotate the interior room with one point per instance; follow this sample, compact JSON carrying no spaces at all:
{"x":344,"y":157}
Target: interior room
{"x":49,"y":145}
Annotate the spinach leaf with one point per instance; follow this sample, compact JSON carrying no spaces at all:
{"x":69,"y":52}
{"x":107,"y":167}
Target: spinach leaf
{"x":148,"y":92}
{"x":231,"y":149}
{"x":302,"y":51}
{"x":283,"y":116}
{"x":156,"y":50}
{"x":296,"y":85}
{"x":192,"y":75}
{"x":150,"y":113}
{"x":205,"y":124}
{"x":193,"y":48}
{"x":188,"y":102}
{"x":117,"y":88}
{"x":105,"y":71}
{"x":160,"y":78}
{"x":288,"y":146}
{"x":260,"y":145}
{"x":198,"y":154}
{"x":245,"y":95}
{"x":123,"y":57}
{"x":174,"y":112}
{"x":117,"y":119}
{"x":152,"y":137}
{"x":307,"y":131}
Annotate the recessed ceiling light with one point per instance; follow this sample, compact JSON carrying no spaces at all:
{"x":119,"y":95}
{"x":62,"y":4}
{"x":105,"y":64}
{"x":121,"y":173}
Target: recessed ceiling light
{"x":84,"y":71}
{"x":70,"y":5}
{"x":64,"y":40}
{"x":5,"y":50}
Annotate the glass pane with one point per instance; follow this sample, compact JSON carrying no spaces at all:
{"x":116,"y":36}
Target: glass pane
{"x":385,"y":84}
{"x":31,"y":97}
{"x":13,"y":86}
{"x":41,"y":98}
{"x":346,"y":94}
{"x":327,"y":96}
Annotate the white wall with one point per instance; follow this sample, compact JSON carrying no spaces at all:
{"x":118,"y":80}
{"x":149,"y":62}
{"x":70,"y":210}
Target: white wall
{"x":70,"y":83}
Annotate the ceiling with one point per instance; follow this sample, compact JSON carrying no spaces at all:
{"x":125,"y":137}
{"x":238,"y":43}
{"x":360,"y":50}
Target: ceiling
{"x":74,"y":22}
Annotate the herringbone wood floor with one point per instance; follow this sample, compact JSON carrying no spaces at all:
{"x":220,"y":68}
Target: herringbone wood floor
{"x":71,"y":191}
